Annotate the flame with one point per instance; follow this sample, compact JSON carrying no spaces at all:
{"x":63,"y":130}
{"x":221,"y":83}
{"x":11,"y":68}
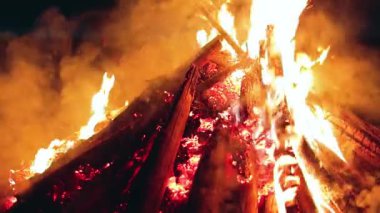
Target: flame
{"x":203,"y":36}
{"x":227,"y":22}
{"x":283,"y":196}
{"x":273,"y":28}
{"x":272,"y":35}
{"x":45,"y":156}
{"x":98,"y":107}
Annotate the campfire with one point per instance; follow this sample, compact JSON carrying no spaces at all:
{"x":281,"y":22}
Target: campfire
{"x":241,"y":131}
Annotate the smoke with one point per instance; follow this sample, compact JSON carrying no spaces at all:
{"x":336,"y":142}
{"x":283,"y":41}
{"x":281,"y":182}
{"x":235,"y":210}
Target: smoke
{"x":48,"y":76}
{"x":350,"y":75}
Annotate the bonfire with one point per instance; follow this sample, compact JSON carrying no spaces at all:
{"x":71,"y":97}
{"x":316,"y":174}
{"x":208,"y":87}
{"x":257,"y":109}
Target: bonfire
{"x":243,"y":133}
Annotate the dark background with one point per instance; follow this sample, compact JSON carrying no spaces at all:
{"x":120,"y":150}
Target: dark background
{"x":362,"y":17}
{"x":19,"y":16}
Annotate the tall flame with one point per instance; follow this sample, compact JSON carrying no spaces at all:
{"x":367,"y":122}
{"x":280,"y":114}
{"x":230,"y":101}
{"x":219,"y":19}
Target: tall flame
{"x":272,"y":34}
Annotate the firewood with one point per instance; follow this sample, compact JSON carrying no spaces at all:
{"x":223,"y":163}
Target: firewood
{"x":253,"y":93}
{"x":115,"y":147}
{"x":222,"y":32}
{"x":148,"y":193}
{"x":270,"y":204}
{"x":362,"y":135}
{"x":216,"y":187}
{"x":304,"y":201}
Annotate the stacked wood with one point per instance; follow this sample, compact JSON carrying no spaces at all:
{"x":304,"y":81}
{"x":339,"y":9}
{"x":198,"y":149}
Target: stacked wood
{"x":126,"y":166}
{"x":147,"y":194}
{"x":216,"y":186}
{"x":101,"y":167}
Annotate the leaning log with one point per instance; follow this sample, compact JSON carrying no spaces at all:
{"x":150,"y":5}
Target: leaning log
{"x":218,"y":186}
{"x":105,"y":165}
{"x":101,"y":165}
{"x":148,"y":192}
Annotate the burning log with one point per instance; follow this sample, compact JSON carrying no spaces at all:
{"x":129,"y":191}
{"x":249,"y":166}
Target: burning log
{"x":148,"y":193}
{"x":218,"y":186}
{"x":303,"y":198}
{"x":222,"y":32}
{"x":362,"y":135}
{"x":103,"y":164}
{"x":253,"y":93}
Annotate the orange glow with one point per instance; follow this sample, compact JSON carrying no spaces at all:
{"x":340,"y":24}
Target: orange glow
{"x":45,"y":156}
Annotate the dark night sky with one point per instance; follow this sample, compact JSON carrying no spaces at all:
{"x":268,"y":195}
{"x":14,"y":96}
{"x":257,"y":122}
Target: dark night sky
{"x":18,"y":16}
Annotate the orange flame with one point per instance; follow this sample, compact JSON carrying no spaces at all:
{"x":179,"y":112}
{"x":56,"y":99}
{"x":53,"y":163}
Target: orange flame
{"x":293,"y":85}
{"x":45,"y":156}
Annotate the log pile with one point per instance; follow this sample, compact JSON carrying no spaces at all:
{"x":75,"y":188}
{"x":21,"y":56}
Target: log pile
{"x":126,"y":167}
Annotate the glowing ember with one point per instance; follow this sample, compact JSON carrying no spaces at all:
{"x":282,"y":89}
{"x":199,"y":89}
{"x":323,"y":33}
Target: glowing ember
{"x":9,"y":202}
{"x":179,"y":186}
{"x":207,"y":124}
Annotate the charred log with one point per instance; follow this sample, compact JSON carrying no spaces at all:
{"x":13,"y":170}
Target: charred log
{"x":147,"y":194}
{"x":102,"y":165}
{"x":216,"y":186}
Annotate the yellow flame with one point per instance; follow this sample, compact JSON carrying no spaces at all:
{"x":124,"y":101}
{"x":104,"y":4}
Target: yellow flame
{"x":45,"y":156}
{"x":227,"y":22}
{"x":98,"y":107}
{"x":295,"y":83}
{"x":282,"y":196}
{"x":203,"y":37}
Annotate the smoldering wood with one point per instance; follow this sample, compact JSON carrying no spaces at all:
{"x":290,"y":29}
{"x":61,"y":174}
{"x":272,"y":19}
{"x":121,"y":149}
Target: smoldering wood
{"x":147,"y":194}
{"x":128,"y":136}
{"x":165,"y":152}
{"x":270,"y":205}
{"x":253,"y":92}
{"x":116,"y":144}
{"x":242,"y":64}
{"x":215,"y":187}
